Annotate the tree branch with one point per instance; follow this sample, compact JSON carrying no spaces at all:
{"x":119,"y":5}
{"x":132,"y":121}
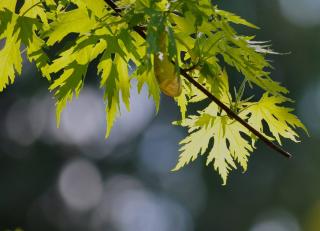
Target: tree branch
{"x":224,"y":107}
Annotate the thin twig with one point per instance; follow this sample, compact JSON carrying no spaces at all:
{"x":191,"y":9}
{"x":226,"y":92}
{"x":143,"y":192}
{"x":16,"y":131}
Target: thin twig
{"x":31,"y":7}
{"x":224,"y":107}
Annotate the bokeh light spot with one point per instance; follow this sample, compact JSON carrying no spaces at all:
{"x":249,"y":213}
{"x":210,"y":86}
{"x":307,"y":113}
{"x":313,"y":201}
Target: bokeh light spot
{"x":80,"y":185}
{"x":301,"y":12}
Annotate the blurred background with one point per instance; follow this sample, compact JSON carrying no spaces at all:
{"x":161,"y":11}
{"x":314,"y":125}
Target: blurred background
{"x":71,"y":178}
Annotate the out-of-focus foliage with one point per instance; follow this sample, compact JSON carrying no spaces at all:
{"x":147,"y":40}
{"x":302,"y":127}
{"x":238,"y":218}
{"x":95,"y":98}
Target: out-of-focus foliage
{"x":198,"y":36}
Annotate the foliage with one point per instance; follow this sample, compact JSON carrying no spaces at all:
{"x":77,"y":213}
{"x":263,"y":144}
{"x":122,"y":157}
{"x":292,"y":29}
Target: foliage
{"x":195,"y":34}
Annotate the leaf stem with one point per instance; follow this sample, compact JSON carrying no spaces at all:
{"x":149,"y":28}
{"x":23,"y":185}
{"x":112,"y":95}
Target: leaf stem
{"x":224,"y":107}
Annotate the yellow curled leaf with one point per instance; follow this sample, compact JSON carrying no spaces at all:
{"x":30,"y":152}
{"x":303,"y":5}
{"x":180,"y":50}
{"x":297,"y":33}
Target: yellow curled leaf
{"x":168,"y":79}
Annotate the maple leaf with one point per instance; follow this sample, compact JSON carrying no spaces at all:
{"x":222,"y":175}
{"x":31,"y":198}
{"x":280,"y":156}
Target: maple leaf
{"x":68,"y":84}
{"x":280,"y":121}
{"x":34,"y":9}
{"x":74,"y":63}
{"x":145,"y":76}
{"x":98,"y":7}
{"x":10,"y":57}
{"x":115,"y":79}
{"x":8,"y":4}
{"x":230,"y":139}
{"x":79,"y":19}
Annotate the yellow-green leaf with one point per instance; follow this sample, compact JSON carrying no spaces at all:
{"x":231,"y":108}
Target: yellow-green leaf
{"x":98,"y":7}
{"x":74,"y":21}
{"x":9,"y":4}
{"x":281,"y":122}
{"x":10,"y":57}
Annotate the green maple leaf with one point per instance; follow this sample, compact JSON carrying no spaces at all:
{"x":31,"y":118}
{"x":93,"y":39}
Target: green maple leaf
{"x":10,"y":62}
{"x":79,"y":19}
{"x":281,"y":122}
{"x":230,"y":142}
{"x":73,"y":62}
{"x":69,"y":83}
{"x":8,"y":4}
{"x":18,"y":31}
{"x":109,"y":81}
{"x":37,"y":55}
{"x":98,"y":7}
{"x":145,"y":76}
{"x":34,"y":9}
{"x":115,"y":79}
{"x":25,"y":27}
{"x":230,"y":139}
{"x":10,"y":57}
{"x":230,"y":17}
{"x":5,"y":18}
{"x":183,"y":101}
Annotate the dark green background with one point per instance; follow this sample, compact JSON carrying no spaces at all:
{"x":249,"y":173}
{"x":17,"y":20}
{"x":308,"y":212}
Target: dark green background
{"x":138,"y":190}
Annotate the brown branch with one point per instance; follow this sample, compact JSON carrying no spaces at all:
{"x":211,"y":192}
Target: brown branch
{"x":229,"y":112}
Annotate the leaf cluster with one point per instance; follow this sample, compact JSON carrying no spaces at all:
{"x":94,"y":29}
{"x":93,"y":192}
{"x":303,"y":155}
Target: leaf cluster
{"x":200,"y":39}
